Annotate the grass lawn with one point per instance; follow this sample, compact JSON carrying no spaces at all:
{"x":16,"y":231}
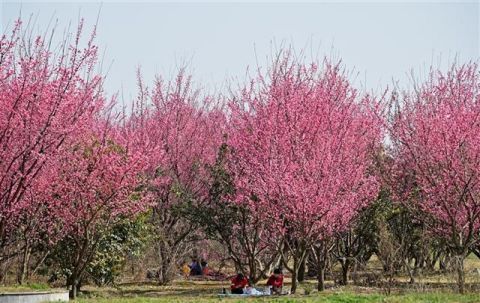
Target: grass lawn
{"x":430,"y":288}
{"x":29,"y":287}
{"x":327,"y":297}
{"x":203,"y":292}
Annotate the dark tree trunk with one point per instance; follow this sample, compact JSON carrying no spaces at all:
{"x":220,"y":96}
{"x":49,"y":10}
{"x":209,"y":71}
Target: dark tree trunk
{"x":302,"y":269}
{"x":293,"y":289}
{"x":74,"y":287}
{"x":319,"y":253}
{"x":345,"y":269}
{"x":345,"y":263}
{"x":296,"y":266}
{"x":321,"y":279}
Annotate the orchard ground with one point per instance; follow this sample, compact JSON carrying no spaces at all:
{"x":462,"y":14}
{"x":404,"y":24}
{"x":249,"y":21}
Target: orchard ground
{"x":431,"y":288}
{"x":199,"y":292}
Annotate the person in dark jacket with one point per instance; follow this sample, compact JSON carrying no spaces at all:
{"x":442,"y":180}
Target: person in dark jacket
{"x":195,"y":268}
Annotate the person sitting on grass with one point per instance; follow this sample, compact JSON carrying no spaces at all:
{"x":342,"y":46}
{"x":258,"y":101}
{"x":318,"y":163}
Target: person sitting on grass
{"x":195,"y":268}
{"x":205,"y":268}
{"x":186,"y":271}
{"x":238,"y":284}
{"x":276,"y":282}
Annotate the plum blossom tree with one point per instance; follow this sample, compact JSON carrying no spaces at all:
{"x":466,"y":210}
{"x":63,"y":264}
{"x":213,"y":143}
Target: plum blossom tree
{"x":301,"y":142}
{"x":99,"y":186}
{"x":243,"y":233}
{"x":47,"y":99}
{"x":181,"y":131}
{"x":436,"y":146}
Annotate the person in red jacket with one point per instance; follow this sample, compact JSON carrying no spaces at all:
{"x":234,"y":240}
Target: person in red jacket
{"x":238,"y":284}
{"x":276,"y":281}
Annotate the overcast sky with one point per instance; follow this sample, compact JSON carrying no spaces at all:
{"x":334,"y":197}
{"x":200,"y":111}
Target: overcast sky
{"x":378,"y":40}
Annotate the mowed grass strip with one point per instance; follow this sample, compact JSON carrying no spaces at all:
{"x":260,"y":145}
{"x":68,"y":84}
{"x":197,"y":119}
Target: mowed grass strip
{"x":330,"y":298}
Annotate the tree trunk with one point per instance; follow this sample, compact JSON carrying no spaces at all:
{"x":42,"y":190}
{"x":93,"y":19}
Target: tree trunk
{"x":320,"y":254}
{"x":321,"y":279}
{"x":252,"y":266}
{"x":24,"y":265}
{"x":301,"y":270}
{"x":410,"y":271}
{"x":74,"y":289}
{"x":73,"y":292}
{"x":390,"y":282}
{"x":165,"y":272}
{"x":354,"y":272}
{"x":293,"y":289}
{"x":345,"y":269}
{"x":460,"y":273}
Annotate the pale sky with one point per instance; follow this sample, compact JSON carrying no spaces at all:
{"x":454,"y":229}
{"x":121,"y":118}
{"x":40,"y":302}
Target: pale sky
{"x":219,"y":40}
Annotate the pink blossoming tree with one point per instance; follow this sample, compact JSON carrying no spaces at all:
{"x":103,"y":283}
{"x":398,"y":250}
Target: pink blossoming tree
{"x":47,"y":99}
{"x":181,"y":131}
{"x":436,"y":146}
{"x":301,"y":141}
{"x":98,"y":186}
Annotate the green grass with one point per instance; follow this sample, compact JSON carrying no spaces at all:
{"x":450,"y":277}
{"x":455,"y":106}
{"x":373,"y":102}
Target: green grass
{"x":38,"y":286}
{"x":429,"y":288}
{"x":207,"y":292}
{"x":25,"y":288}
{"x":346,"y":297}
